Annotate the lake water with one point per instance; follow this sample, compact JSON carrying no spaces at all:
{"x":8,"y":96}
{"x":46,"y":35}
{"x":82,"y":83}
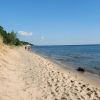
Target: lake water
{"x":86,"y":56}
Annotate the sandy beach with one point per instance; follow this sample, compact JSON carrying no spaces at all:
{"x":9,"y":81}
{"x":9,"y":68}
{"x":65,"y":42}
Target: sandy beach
{"x":28,"y":76}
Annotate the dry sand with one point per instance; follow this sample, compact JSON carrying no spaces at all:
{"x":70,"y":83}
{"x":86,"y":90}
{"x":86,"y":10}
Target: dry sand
{"x":28,"y":76}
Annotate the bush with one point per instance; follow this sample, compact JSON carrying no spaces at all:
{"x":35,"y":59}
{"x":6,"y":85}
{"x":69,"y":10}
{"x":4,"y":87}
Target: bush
{"x":1,"y":39}
{"x":11,"y":38}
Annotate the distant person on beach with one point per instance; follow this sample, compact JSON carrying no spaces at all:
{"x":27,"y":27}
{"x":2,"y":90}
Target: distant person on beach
{"x":25,"y":47}
{"x":28,"y":48}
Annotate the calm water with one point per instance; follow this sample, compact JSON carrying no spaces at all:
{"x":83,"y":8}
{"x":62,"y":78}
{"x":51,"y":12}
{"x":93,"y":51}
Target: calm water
{"x":86,"y":56}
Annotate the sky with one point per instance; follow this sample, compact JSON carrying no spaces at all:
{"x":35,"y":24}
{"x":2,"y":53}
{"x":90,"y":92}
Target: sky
{"x":52,"y":22}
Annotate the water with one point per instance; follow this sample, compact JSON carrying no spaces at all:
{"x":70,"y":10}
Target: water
{"x":86,"y":56}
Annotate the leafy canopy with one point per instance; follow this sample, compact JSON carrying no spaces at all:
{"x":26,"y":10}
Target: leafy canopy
{"x":11,"y":38}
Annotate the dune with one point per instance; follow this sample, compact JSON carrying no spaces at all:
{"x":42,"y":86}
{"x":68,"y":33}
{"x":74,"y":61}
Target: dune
{"x":28,"y":76}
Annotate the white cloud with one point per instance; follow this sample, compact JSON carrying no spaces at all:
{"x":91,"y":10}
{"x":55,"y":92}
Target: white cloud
{"x":42,"y":37}
{"x":25,"y":33}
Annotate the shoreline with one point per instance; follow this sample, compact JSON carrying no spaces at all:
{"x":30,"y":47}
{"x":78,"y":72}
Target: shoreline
{"x":28,"y":76}
{"x":87,"y":75}
{"x":66,"y":66}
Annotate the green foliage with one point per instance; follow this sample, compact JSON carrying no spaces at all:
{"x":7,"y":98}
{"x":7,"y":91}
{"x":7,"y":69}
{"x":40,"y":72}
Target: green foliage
{"x":11,"y":38}
{"x":1,"y":39}
{"x":17,"y":42}
{"x":25,"y":43}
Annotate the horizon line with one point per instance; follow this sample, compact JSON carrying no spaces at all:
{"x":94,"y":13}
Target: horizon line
{"x":66,"y":44}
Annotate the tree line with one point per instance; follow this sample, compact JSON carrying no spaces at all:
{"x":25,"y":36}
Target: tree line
{"x":10,"y":38}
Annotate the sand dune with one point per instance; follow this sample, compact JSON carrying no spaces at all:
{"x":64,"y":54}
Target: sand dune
{"x":28,"y":76}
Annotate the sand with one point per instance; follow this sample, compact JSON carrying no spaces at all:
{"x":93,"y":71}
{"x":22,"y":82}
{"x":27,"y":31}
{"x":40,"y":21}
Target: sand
{"x":29,"y":76}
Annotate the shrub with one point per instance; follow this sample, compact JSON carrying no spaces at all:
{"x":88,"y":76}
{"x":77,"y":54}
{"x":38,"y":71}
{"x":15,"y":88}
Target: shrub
{"x":1,"y":39}
{"x":11,"y":38}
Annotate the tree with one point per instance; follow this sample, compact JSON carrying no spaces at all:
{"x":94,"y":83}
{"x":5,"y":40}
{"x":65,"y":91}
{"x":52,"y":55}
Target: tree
{"x":11,"y":38}
{"x":18,"y":42}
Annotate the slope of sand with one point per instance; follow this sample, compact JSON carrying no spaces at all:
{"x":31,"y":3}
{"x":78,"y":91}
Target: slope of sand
{"x":28,"y":76}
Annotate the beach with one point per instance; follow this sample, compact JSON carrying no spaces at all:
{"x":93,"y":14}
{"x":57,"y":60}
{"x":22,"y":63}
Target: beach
{"x":26,"y":75}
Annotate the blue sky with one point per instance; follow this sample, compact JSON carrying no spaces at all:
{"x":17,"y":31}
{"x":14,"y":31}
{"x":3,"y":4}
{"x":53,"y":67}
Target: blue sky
{"x":52,"y":22}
